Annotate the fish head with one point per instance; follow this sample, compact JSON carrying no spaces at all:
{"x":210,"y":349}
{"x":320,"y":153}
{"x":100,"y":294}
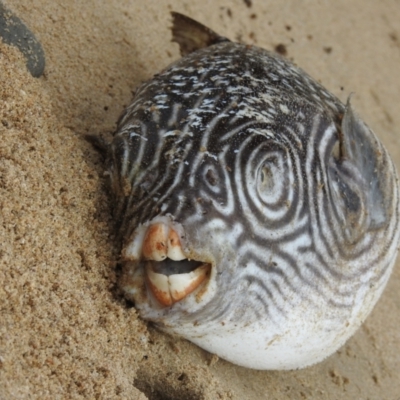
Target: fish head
{"x":188,"y":244}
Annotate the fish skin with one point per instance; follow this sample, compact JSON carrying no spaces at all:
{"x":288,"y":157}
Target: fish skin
{"x":273,"y":181}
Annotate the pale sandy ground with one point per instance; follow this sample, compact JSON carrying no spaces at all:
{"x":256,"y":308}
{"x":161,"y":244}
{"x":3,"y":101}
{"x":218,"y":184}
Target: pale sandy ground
{"x":65,"y":332}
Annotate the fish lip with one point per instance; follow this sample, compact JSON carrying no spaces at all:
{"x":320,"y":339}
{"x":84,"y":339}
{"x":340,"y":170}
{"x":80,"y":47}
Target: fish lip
{"x":166,"y":271}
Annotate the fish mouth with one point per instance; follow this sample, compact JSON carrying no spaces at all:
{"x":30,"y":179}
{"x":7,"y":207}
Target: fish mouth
{"x":169,"y":274}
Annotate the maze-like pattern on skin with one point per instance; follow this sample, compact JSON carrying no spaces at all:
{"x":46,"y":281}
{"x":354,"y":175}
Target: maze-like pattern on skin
{"x":282,"y":186}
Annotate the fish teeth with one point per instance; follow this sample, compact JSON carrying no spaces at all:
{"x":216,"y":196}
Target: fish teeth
{"x":174,"y":247}
{"x":181,"y":285}
{"x":161,"y":242}
{"x":155,"y":244}
{"x":171,"y":289}
{"x":159,"y":285}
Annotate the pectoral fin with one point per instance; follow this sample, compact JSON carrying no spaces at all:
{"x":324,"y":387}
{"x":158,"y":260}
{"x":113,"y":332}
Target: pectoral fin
{"x":363,"y":149}
{"x":359,"y":178}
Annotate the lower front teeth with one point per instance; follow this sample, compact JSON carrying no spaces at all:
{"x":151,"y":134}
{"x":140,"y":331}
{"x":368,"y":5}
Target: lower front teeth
{"x":170,"y":289}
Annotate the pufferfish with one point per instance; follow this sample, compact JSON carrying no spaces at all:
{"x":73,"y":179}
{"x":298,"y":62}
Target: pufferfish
{"x":259,"y":215}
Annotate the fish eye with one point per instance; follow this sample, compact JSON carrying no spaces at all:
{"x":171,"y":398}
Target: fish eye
{"x":266,"y":177}
{"x":270,"y":183}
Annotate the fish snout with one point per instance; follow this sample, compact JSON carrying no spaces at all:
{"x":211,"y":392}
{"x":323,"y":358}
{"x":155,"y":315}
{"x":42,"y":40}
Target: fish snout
{"x":170,"y":273}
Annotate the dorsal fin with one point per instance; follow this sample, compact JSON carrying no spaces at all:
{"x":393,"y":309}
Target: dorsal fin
{"x":192,"y":35}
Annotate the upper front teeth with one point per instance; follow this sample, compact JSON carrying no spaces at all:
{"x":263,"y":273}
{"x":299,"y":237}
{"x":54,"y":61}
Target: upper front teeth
{"x":174,"y":247}
{"x":161,"y":242}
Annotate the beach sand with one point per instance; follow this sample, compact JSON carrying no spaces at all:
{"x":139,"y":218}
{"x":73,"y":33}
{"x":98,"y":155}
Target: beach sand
{"x":65,"y":330}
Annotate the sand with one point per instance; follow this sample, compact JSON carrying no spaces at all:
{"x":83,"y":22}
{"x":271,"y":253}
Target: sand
{"x":65,"y":330}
